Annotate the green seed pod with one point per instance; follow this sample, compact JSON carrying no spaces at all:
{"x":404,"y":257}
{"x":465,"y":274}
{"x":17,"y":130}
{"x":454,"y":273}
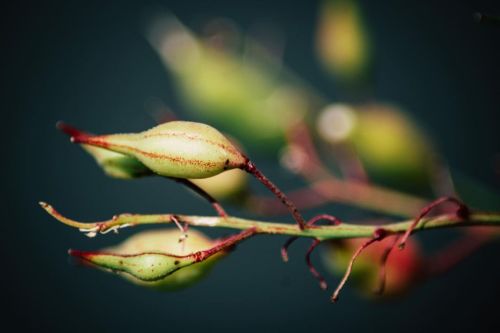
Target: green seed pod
{"x":179,"y":149}
{"x":156,"y":259}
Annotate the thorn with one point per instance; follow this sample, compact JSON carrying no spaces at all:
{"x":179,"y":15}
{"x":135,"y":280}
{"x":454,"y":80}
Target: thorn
{"x":284,"y":254}
{"x":322,"y":283}
{"x":332,"y":219}
{"x":378,"y":235}
{"x":284,"y":248}
{"x":462,"y":212}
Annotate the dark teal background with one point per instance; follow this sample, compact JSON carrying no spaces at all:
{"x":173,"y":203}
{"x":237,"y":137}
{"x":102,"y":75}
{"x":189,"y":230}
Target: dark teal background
{"x":88,"y":63}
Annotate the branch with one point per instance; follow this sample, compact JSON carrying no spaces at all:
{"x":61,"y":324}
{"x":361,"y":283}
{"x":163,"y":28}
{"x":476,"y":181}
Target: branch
{"x":344,"y":230}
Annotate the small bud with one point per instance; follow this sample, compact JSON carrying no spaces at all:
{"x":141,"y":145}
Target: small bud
{"x":114,"y":164}
{"x":179,"y":149}
{"x":156,"y":259}
{"x":403,"y":269}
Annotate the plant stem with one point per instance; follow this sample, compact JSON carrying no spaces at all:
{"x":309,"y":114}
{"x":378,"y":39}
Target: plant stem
{"x":344,"y":230}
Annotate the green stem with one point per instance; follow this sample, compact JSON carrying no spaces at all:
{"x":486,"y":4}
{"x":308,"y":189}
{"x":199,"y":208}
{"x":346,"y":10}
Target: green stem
{"x":344,"y":230}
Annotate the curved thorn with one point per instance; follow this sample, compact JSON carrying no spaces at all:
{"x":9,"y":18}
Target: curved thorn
{"x":322,"y":283}
{"x":378,"y":235}
{"x":462,"y":211}
{"x":334,"y":221}
{"x":284,"y":248}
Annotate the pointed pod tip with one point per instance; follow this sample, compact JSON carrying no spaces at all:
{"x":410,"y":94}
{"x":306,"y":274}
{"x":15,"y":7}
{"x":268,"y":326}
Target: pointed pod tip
{"x":66,"y":128}
{"x":79,"y":138}
{"x":71,"y":131}
{"x":45,"y":206}
{"x":74,"y":253}
{"x":284,"y":255}
{"x":80,"y":254}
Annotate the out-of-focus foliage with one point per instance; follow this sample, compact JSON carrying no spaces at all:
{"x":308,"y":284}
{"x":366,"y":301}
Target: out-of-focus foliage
{"x":392,"y":148}
{"x":252,"y":98}
{"x":342,"y":42}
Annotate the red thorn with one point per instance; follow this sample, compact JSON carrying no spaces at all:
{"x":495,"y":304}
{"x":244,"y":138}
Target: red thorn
{"x":378,"y":235}
{"x":462,"y":212}
{"x":284,"y":248}
{"x":322,"y":283}
{"x":284,"y":254}
{"x":333,"y":220}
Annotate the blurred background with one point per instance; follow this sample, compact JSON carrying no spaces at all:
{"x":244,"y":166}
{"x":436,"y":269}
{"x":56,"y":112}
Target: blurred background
{"x":258,"y":71}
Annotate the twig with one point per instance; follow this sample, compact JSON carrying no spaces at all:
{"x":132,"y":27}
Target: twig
{"x":344,"y":230}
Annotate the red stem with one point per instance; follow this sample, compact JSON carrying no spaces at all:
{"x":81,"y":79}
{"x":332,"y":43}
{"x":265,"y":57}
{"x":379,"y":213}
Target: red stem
{"x":215,"y":204}
{"x":224,"y":244}
{"x":252,"y":169}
